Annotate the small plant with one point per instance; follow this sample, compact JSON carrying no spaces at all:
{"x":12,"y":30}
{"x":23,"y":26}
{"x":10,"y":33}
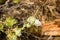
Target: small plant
{"x":12,"y":36}
{"x":18,"y":31}
{"x":33,"y":21}
{"x":14,"y":33}
{"x":9,"y":22}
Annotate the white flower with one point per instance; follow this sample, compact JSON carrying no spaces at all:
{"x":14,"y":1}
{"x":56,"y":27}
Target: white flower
{"x":37,"y":23}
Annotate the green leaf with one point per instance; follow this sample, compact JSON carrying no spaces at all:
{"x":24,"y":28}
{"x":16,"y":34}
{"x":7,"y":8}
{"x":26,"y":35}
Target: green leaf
{"x":10,"y":22}
{"x":16,"y":1}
